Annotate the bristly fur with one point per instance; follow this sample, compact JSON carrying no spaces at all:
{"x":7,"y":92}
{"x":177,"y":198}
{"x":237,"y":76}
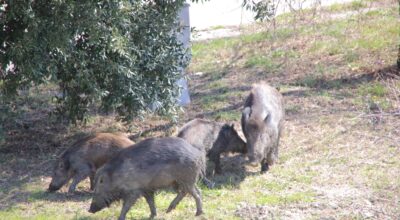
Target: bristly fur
{"x":152,"y":164}
{"x":262,"y":122}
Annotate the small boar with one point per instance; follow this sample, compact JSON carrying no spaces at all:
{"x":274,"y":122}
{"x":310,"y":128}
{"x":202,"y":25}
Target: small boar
{"x":262,"y":122}
{"x":214,"y":138}
{"x":84,"y":157}
{"x":145,"y":167}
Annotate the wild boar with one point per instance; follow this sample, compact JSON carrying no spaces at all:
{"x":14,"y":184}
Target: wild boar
{"x":214,"y":138}
{"x":143,"y":168}
{"x":84,"y":157}
{"x":262,"y":122}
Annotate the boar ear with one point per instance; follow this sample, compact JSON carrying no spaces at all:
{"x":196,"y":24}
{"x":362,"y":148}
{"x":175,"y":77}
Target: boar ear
{"x":233,"y":126}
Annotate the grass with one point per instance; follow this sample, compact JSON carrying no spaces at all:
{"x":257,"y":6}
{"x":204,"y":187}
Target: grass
{"x":351,"y":6}
{"x":299,"y":197}
{"x":217,"y":27}
{"x":335,"y":154}
{"x":227,"y":116}
{"x":373,"y":89}
{"x":261,"y":61}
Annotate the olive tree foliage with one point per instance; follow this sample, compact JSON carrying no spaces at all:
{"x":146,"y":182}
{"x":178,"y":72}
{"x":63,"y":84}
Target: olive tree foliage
{"x":117,"y":55}
{"x":264,"y":9}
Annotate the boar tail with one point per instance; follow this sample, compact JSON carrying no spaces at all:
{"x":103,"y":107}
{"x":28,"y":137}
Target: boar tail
{"x":202,"y":173}
{"x":202,"y":166}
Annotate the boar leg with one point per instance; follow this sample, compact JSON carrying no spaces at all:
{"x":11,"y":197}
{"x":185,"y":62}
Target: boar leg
{"x":272,"y":156}
{"x":207,"y":182}
{"x":197,"y":196}
{"x":215,"y":157}
{"x":149,"y":196}
{"x":128,"y":201}
{"x":91,"y":177}
{"x":218,"y":169}
{"x":80,"y":174}
{"x":270,"y":160}
{"x":264,"y":166}
{"x":177,"y":199}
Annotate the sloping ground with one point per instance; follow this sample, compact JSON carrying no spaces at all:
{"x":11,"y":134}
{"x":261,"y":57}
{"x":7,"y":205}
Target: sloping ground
{"x":339,"y":156}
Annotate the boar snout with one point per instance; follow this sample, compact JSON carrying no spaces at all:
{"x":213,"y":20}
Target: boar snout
{"x":253,"y":160}
{"x":53,"y":188}
{"x":94,"y":208}
{"x":253,"y":163}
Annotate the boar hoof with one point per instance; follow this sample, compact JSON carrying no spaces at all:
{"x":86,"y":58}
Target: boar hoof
{"x":51,"y":189}
{"x":210,"y":185}
{"x":200,"y":212}
{"x":264,"y":168}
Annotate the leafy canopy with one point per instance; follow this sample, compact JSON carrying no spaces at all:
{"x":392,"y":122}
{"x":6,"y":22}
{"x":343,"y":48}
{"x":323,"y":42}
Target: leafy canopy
{"x":117,"y":55}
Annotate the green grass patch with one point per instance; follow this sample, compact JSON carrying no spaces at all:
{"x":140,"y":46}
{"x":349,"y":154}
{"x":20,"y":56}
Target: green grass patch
{"x":260,"y":61}
{"x":309,"y":81}
{"x":273,"y":186}
{"x":209,"y":103}
{"x":202,"y":48}
{"x":218,"y":85}
{"x":373,"y":89}
{"x":219,"y":100}
{"x":217,"y":27}
{"x":227,"y":115}
{"x":293,"y":175}
{"x":274,"y":199}
{"x":351,"y":56}
{"x":351,"y":6}
{"x":280,"y":34}
{"x":380,"y":180}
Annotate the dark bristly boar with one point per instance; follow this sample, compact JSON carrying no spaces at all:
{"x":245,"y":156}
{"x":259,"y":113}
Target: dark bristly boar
{"x":214,"y":138}
{"x":262,"y":122}
{"x":84,"y":157}
{"x":143,"y":168}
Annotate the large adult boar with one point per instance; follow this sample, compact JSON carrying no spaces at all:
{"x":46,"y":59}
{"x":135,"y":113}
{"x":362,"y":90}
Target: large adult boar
{"x":262,"y":121}
{"x":143,"y":168}
{"x":84,"y":157}
{"x":214,"y":138}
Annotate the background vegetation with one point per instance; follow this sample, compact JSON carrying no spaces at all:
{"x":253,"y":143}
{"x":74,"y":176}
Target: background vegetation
{"x":108,"y":55}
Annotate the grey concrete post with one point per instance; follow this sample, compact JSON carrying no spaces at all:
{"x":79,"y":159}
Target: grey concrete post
{"x":184,"y":38}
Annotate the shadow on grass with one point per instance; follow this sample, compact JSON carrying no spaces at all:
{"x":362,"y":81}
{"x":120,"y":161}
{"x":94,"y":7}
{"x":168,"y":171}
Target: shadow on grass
{"x":28,"y":154}
{"x":213,"y":92}
{"x":15,"y":197}
{"x":215,"y":112}
{"x":234,"y":172}
{"x":78,"y":196}
{"x":145,"y":133}
{"x":321,"y":83}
